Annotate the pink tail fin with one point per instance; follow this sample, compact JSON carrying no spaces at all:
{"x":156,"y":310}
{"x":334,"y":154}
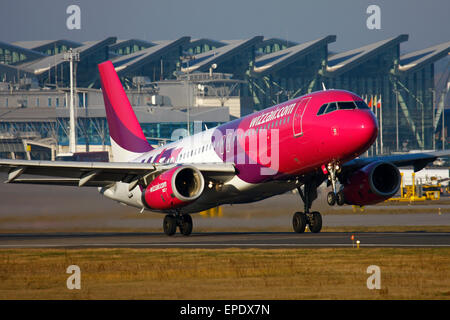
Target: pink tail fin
{"x":127,"y":139}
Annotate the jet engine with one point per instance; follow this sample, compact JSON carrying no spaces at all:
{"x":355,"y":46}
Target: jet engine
{"x":371,"y":184}
{"x":174,"y":188}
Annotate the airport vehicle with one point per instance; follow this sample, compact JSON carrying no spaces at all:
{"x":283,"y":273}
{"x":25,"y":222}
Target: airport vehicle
{"x":296,"y":144}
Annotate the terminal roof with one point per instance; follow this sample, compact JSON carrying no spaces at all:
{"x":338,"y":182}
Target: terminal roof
{"x":344,"y":61}
{"x":124,"y":43}
{"x":30,"y":54}
{"x":133,"y":61}
{"x":42,"y":45}
{"x":414,"y":60}
{"x":42,"y":65}
{"x":203,"y":61}
{"x":272,"y":62}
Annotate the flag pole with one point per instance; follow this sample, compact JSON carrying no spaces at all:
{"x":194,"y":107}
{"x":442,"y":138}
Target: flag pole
{"x":374,"y":105}
{"x":366,"y":100}
{"x":381,"y":125}
{"x":396,"y":118}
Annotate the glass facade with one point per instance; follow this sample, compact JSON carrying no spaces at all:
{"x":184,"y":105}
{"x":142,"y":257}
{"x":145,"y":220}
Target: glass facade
{"x":288,"y":82}
{"x":405,"y":116}
{"x":11,"y":57}
{"x":94,"y":131}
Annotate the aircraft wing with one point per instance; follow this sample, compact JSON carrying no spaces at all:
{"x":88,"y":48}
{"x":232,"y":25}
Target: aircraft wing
{"x":417,"y":160}
{"x":99,"y":174}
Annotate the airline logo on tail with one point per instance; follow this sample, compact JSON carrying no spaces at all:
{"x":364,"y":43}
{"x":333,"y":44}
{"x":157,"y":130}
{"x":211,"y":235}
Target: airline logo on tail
{"x":127,"y":138}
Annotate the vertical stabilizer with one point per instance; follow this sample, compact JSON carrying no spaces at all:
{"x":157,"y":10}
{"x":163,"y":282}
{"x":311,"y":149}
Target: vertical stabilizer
{"x":127,"y":139}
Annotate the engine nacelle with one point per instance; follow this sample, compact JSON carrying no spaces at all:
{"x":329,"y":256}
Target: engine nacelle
{"x":371,"y":184}
{"x":174,"y":188}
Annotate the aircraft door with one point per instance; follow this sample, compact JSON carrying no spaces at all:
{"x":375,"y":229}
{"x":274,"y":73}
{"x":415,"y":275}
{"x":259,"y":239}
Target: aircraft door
{"x":297,"y":123}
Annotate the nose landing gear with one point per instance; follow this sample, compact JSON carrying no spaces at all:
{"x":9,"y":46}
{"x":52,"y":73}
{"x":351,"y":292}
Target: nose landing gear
{"x":334,"y":196}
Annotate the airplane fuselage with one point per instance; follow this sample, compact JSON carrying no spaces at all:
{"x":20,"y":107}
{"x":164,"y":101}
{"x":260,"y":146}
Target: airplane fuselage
{"x":271,"y":149}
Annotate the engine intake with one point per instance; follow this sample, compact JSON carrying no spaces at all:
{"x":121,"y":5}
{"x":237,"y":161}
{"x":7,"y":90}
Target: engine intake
{"x":371,"y":184}
{"x":174,"y":188}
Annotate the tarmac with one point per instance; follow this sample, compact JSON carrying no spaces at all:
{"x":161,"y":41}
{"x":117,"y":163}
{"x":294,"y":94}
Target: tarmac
{"x":69,"y":217}
{"x":227,"y":240}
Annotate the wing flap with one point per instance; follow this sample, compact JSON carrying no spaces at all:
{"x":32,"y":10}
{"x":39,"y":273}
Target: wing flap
{"x":101,"y":173}
{"x":83,"y":173}
{"x":62,"y":182}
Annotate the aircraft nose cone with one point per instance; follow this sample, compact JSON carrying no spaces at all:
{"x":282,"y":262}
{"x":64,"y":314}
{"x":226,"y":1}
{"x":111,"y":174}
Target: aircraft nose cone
{"x":366,"y":130}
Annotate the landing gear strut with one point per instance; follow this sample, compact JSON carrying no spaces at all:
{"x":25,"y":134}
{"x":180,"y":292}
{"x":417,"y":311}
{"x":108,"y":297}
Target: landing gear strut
{"x":334,"y":196}
{"x":182,"y":221}
{"x":311,"y":219}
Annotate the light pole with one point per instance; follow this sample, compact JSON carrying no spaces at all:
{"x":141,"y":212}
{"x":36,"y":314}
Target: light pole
{"x":433,"y":113}
{"x":186,"y":58}
{"x":213,"y":66}
{"x":443,"y":121}
{"x":396,"y":119}
{"x":72,"y":56}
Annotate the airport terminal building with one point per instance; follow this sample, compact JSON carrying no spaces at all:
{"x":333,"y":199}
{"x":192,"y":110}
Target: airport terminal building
{"x":192,"y":84}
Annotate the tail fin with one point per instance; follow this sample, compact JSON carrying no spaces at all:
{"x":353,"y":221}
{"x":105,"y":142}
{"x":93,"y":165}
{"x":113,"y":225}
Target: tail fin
{"x":127,"y":139}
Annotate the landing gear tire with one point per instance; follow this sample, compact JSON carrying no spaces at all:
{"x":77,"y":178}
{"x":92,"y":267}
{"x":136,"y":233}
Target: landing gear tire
{"x":169,"y":225}
{"x":185,"y":225}
{"x":299,"y":222}
{"x":315,"y":222}
{"x":340,"y":199}
{"x":331,"y":198}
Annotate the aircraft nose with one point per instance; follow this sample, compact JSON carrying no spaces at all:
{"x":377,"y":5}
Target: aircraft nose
{"x":366,"y":129}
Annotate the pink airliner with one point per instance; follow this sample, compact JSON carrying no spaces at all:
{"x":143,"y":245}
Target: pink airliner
{"x":297,"y":144}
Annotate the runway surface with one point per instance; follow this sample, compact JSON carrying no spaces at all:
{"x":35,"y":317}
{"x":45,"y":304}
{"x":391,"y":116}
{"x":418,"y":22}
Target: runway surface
{"x":225,"y":240}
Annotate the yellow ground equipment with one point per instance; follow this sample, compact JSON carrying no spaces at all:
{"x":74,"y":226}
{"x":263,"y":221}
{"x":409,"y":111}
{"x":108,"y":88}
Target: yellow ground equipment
{"x":422,"y":192}
{"x":212,"y":213}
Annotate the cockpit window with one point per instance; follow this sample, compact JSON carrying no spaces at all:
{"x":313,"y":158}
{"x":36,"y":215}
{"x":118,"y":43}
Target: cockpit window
{"x":341,"y":105}
{"x":331,"y":107}
{"x":361,"y":105}
{"x":322,"y":109}
{"x":347,"y":105}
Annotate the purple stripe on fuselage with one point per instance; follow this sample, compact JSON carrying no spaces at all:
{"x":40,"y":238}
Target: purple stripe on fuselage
{"x":248,"y":171}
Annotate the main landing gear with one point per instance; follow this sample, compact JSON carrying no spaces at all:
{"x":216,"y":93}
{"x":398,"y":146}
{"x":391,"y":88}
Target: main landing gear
{"x":311,"y":219}
{"x":182,"y":221}
{"x":334,"y":196}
